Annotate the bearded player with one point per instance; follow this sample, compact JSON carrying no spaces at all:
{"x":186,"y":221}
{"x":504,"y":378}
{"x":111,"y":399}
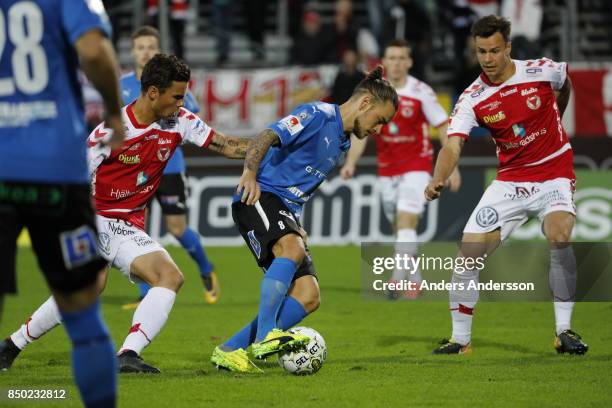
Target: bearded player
{"x":521,"y":103}
{"x":405,"y":156}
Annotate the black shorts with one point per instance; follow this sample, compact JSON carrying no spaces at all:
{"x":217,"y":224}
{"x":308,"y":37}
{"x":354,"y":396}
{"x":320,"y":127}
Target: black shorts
{"x":62,"y":228}
{"x":172,"y":194}
{"x":264,"y":223}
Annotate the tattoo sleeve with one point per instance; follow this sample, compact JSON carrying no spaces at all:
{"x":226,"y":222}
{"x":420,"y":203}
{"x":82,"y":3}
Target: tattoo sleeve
{"x":229,"y":146}
{"x":258,"y":147}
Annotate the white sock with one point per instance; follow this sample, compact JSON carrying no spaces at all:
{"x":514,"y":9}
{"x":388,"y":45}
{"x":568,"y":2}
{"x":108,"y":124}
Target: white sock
{"x":563,"y":316}
{"x":562,"y":280}
{"x":45,"y":318}
{"x":462,"y":303}
{"x":406,"y":243}
{"x":149,"y":318}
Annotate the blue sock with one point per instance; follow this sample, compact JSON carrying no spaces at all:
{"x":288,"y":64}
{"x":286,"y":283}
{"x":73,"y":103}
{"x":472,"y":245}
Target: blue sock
{"x":243,"y":338}
{"x":274,"y":288}
{"x":144,"y":289}
{"x":93,"y":357}
{"x":291,"y":313}
{"x":191,"y":242}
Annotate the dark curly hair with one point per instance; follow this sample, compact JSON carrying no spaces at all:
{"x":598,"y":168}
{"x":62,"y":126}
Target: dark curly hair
{"x":379,"y":88}
{"x":162,"y":70}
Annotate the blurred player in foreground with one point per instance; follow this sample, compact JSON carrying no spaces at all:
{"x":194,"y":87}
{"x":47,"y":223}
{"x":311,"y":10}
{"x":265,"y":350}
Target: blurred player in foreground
{"x":124,"y":181}
{"x":44,"y":184}
{"x":521,"y":103}
{"x":405,"y":156}
{"x":171,"y":193}
{"x":288,"y":161}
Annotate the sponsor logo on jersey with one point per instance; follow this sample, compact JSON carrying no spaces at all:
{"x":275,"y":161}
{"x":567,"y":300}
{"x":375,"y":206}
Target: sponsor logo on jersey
{"x":509,"y":92}
{"x":526,"y":92}
{"x":477,"y":92}
{"x":164,"y":141}
{"x":151,"y":137}
{"x":119,"y":229}
{"x":491,"y":106}
{"x":163,"y":153}
{"x":392,"y":128}
{"x":303,"y":115}
{"x":292,"y":124}
{"x":521,"y":192}
{"x":120,"y":193}
{"x":499,"y":116}
{"x":142,"y":178}
{"x":487,"y":216}
{"x":296,"y":191}
{"x":78,"y":246}
{"x":127,"y":159}
{"x":534,"y":102}
{"x":519,"y":130}
{"x":135,"y":146}
{"x":315,"y":172}
{"x":533,"y":71}
{"x":143,"y":241}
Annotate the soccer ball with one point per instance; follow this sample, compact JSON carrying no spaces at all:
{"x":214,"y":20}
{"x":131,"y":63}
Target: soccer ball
{"x":308,"y":359}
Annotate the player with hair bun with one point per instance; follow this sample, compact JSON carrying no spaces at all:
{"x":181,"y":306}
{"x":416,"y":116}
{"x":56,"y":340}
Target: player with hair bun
{"x":283,"y":167}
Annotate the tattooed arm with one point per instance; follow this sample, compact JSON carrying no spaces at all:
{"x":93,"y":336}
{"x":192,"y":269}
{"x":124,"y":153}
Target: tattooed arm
{"x":256,"y":150}
{"x":229,"y":146}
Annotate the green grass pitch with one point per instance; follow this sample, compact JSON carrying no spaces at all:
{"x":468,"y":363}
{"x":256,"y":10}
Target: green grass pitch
{"x":378,"y":352}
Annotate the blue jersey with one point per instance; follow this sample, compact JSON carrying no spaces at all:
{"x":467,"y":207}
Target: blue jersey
{"x":130,"y":91}
{"x":312,"y":142}
{"x":42,"y":123}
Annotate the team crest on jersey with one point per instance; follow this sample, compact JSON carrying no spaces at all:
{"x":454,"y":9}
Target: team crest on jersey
{"x":534,"y":102}
{"x":163,"y":153}
{"x":78,"y":246}
{"x":487,"y":216}
{"x":255,"y":245}
{"x":292,"y":124}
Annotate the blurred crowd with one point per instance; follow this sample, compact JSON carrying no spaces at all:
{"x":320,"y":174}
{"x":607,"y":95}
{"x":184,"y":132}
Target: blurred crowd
{"x":330,"y":32}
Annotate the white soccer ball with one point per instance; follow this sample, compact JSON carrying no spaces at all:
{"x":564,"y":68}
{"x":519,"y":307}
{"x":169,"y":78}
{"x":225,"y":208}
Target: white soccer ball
{"x":308,"y":359}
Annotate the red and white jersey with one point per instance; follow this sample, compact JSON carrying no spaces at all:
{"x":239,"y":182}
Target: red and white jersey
{"x":403,"y":144}
{"x":524,"y":121}
{"x":124,"y":180}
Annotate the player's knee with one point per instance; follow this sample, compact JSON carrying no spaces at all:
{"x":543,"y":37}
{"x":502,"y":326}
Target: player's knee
{"x":177,"y":230}
{"x":559,"y":236}
{"x":313,"y":301}
{"x":171,"y":277}
{"x":290,"y":246}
